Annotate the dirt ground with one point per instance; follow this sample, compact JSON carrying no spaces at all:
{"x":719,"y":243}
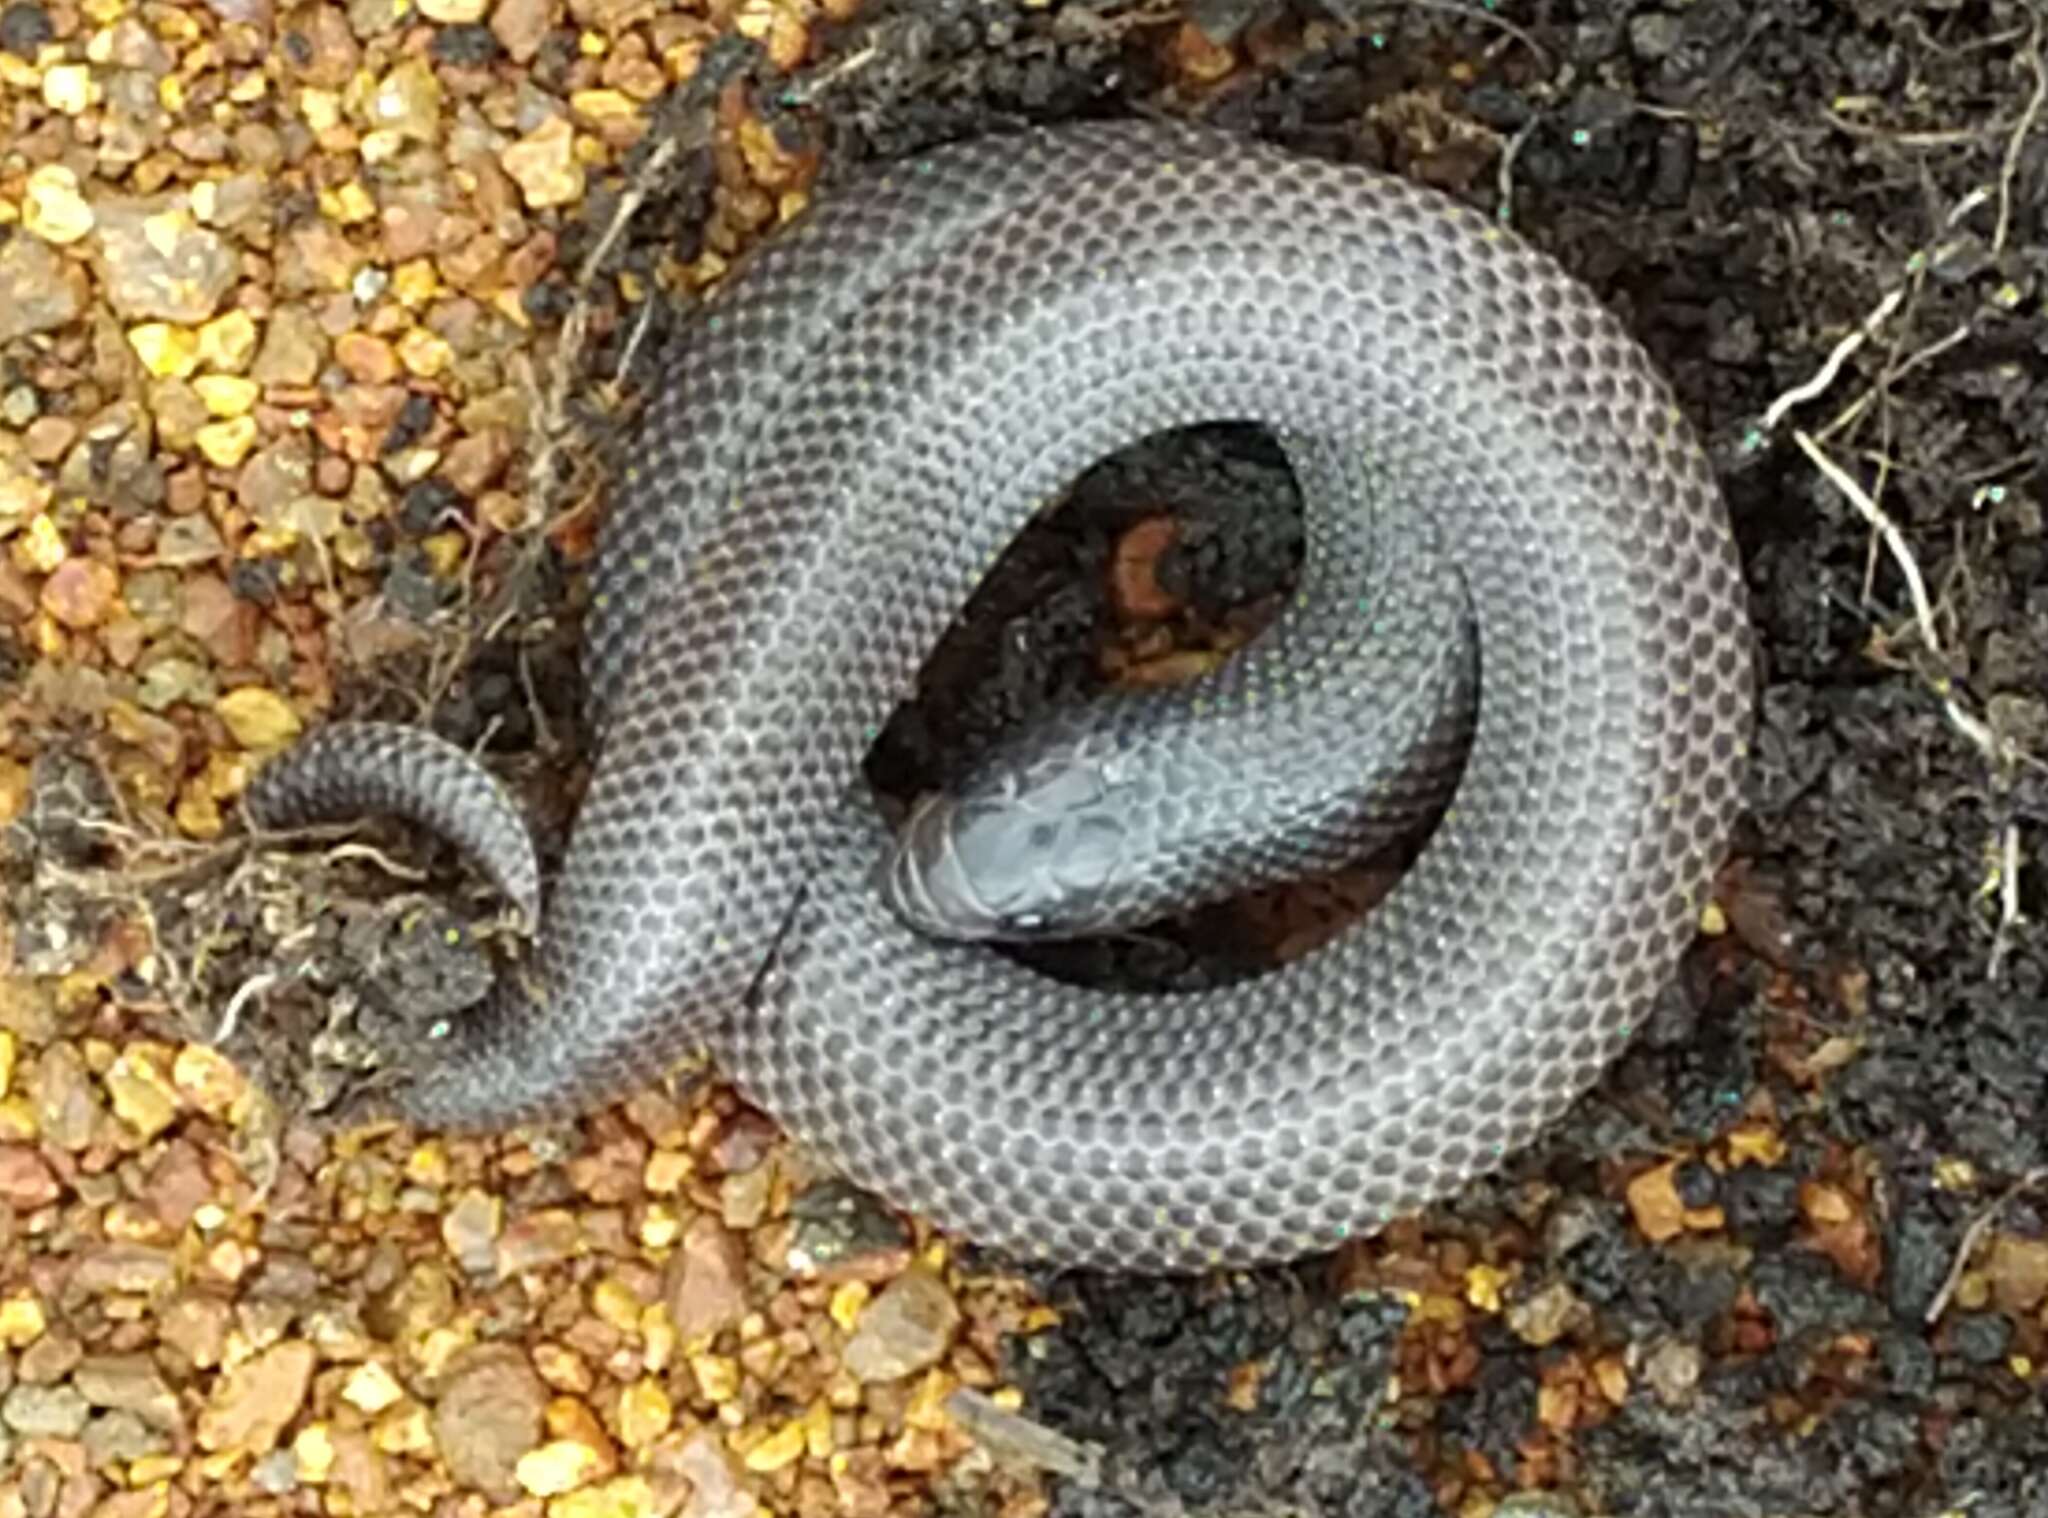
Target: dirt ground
{"x":1789,"y":1261}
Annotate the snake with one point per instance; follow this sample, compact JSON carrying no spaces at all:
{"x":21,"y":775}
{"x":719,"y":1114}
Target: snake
{"x":1520,"y":612}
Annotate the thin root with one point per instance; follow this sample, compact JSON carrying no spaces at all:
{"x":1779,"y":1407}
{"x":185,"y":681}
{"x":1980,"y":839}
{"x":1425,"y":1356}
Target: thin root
{"x":1973,"y":1236}
{"x":1902,"y":552}
{"x":1838,"y":356}
{"x":2018,"y":140}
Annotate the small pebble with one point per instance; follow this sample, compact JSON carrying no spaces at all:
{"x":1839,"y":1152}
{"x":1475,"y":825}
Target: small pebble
{"x":35,"y":294}
{"x":521,"y":26}
{"x":253,"y":1403}
{"x":45,"y":1412}
{"x":227,"y":443}
{"x":51,"y":206}
{"x":1696,"y":1184}
{"x":166,"y":351}
{"x":1653,"y":35}
{"x":81,"y":592}
{"x":26,"y":1183}
{"x":904,"y":1330}
{"x":25,"y":29}
{"x":645,"y":1413}
{"x":489,"y":1414}
{"x":161,"y":264}
{"x":227,"y":395}
{"x":366,"y":358}
{"x":558,"y":1466}
{"x":258,"y":718}
{"x":141,"y":1092}
{"x":544,"y":166}
{"x":21,"y":1320}
{"x":69,"y":88}
{"x":466,"y":46}
{"x":227,"y":342}
{"x":1982,"y":1338}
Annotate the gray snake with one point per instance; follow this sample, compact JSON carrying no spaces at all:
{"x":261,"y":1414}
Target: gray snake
{"x":1514,"y":540}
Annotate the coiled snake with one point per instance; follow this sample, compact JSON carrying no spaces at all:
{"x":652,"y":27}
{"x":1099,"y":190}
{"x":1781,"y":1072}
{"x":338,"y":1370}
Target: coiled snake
{"x":1502,"y":498}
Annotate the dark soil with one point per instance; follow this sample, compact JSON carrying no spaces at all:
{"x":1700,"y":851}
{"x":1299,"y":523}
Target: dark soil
{"x":1743,"y":183}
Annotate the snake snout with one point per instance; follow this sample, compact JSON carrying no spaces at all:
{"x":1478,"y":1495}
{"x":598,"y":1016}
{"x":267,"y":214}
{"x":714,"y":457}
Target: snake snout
{"x":925,"y":883}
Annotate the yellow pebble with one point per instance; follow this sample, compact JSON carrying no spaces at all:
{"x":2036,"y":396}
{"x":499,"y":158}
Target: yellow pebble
{"x":42,"y":547}
{"x":321,"y":108}
{"x":226,"y":444}
{"x":817,"y":1421}
{"x":424,"y":353}
{"x":10,"y":1052}
{"x":561,"y":1465}
{"x":197,"y":813}
{"x":228,"y":342}
{"x":415,"y":282}
{"x":620,"y":1497}
{"x":51,"y":206}
{"x":167,"y":352}
{"x":666,"y":1170}
{"x":927,"y":1406}
{"x":313,"y":1450}
{"x":210,"y":1081}
{"x":658,"y":1337}
{"x":148,"y":1470}
{"x":349,"y":205}
{"x":22,"y":1320}
{"x":258,"y":718}
{"x":404,"y":1431}
{"x":645,"y":1413}
{"x":428,"y":1164}
{"x":372,"y":1387}
{"x":227,"y":395}
{"x":445,"y":551}
{"x":718,"y":1376}
{"x":659,"y":1226}
{"x":69,"y":88}
{"x":783,"y":1447}
{"x":141,"y":1091}
{"x":613,"y":1300}
{"x":1483,"y":1284}
{"x":603,"y":105}
{"x":847,"y":1302}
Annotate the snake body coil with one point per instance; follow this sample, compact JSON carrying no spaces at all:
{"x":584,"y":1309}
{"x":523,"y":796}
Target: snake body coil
{"x":858,"y":424}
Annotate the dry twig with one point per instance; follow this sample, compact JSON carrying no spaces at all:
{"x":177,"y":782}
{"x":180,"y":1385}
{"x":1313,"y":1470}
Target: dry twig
{"x":1973,"y":1236}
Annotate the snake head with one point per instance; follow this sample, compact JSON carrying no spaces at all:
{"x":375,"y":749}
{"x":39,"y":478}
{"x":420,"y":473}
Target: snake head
{"x":1017,"y":855}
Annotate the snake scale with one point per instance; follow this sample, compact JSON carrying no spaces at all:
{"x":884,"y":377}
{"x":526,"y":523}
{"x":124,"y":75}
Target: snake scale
{"x":1515,"y":543}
